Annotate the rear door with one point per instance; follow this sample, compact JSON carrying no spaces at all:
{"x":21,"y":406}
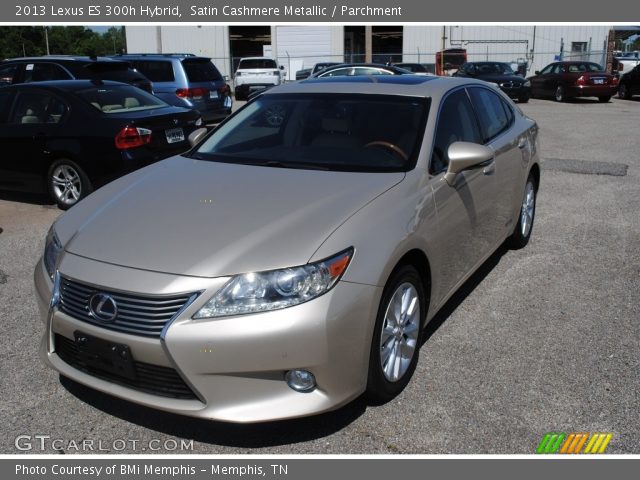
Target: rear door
{"x":539,"y":81}
{"x":467,"y":211}
{"x":35,"y":118}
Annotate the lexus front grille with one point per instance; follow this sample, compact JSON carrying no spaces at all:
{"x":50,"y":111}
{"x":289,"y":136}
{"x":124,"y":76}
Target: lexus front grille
{"x":135,"y":314}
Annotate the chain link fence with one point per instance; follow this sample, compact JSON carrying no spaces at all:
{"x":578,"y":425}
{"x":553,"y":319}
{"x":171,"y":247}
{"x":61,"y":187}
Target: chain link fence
{"x":522,"y":61}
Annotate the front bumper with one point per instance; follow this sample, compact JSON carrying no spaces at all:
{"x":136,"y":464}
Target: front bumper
{"x":517,"y":92}
{"x":234,"y":365}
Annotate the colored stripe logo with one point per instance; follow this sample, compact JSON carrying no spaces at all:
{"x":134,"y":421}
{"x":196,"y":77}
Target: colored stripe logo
{"x":572,"y":443}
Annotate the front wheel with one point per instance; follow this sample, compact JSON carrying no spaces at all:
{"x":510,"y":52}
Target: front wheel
{"x":67,"y":183}
{"x":624,"y":92}
{"x":523,"y":99}
{"x":396,"y":339}
{"x":522,"y":233}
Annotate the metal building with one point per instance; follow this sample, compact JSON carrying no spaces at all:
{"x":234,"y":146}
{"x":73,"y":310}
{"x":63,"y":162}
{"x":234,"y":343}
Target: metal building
{"x":301,"y":46}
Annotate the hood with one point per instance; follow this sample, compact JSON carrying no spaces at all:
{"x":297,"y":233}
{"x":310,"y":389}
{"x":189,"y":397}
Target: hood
{"x":516,"y":79}
{"x":200,"y":218}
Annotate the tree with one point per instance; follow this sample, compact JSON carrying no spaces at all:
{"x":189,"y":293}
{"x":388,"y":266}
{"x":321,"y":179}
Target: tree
{"x":30,"y":41}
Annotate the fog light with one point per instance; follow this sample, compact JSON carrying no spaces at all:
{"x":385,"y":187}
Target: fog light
{"x":300,"y":380}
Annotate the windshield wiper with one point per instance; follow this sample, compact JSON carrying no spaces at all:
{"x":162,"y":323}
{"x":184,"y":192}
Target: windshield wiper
{"x":295,"y":165}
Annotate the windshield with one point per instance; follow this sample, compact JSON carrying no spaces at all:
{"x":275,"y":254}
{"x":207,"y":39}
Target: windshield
{"x":493,"y":69}
{"x":345,"y":132}
{"x":119,"y":98}
{"x":257,"y":63}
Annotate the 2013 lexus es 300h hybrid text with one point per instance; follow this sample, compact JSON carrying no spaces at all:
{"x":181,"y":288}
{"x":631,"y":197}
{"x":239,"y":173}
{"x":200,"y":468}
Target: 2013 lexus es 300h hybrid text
{"x":288,"y":263}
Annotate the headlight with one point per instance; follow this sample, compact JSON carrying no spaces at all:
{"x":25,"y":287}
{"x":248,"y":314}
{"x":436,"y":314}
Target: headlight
{"x":199,"y":122}
{"x":52,"y":250}
{"x":265,"y":291}
{"x":527,"y":83}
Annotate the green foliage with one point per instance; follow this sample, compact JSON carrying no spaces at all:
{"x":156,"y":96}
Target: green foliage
{"x":30,"y":41}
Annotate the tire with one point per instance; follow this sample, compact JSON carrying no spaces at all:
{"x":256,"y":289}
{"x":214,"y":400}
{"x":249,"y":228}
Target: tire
{"x":67,"y":183}
{"x":388,"y":379}
{"x":624,"y":92}
{"x":522,"y":233}
{"x":523,"y":99}
{"x":604,"y":99}
{"x":560,"y":95}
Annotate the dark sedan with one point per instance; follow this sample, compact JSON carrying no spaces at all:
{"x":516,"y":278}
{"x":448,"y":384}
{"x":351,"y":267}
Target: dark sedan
{"x":563,"y":80}
{"x":354,"y":69}
{"x":68,"y":137}
{"x":499,"y":73}
{"x":630,"y":84}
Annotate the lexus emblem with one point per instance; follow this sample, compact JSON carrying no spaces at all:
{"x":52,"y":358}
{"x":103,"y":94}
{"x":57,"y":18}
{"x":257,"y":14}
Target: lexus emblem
{"x":103,"y":307}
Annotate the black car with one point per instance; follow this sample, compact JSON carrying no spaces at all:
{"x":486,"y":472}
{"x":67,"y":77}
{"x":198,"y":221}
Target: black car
{"x":630,"y":84}
{"x":42,"y":69}
{"x":418,"y":68}
{"x":317,"y":68}
{"x":69,"y":137}
{"x":499,"y":73}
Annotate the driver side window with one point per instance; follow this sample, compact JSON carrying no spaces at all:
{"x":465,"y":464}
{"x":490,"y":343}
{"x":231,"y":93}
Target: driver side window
{"x":546,"y":70}
{"x":456,"y":123}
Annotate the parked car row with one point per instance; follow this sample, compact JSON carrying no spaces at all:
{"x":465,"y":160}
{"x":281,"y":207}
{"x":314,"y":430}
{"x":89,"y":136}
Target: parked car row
{"x":559,"y":80}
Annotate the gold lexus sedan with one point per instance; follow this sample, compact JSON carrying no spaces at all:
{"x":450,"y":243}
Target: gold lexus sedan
{"x":290,"y":261}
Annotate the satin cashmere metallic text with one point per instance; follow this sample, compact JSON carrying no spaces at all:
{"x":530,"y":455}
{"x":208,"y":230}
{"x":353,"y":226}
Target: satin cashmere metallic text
{"x":290,"y":261}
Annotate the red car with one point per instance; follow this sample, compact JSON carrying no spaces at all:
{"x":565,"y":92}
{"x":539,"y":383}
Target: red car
{"x":563,"y":80}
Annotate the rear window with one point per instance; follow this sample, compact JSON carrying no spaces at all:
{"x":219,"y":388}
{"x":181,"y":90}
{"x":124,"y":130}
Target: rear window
{"x":156,"y":71}
{"x":119,"y":99}
{"x":201,"y":71}
{"x":257,"y":63}
{"x":583,"y":67}
{"x":7,"y":72}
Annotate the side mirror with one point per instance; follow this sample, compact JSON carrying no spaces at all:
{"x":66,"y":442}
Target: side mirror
{"x":281,"y":67}
{"x":537,"y":72}
{"x":465,"y":155}
{"x":196,"y":136}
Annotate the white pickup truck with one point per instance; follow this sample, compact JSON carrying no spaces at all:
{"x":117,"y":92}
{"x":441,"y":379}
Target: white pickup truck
{"x":625,"y":61}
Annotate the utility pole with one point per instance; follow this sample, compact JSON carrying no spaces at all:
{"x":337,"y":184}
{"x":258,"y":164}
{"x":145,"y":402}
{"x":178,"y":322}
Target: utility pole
{"x":368,"y":44}
{"x":46,"y":38}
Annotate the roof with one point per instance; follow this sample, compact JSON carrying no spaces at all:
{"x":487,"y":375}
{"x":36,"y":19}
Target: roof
{"x":414,"y":85}
{"x":158,"y":56}
{"x":67,"y":85}
{"x":65,"y":58}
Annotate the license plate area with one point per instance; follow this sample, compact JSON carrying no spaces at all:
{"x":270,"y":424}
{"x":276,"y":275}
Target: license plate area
{"x":598,"y":81}
{"x":108,"y":357}
{"x":174,"y":135}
